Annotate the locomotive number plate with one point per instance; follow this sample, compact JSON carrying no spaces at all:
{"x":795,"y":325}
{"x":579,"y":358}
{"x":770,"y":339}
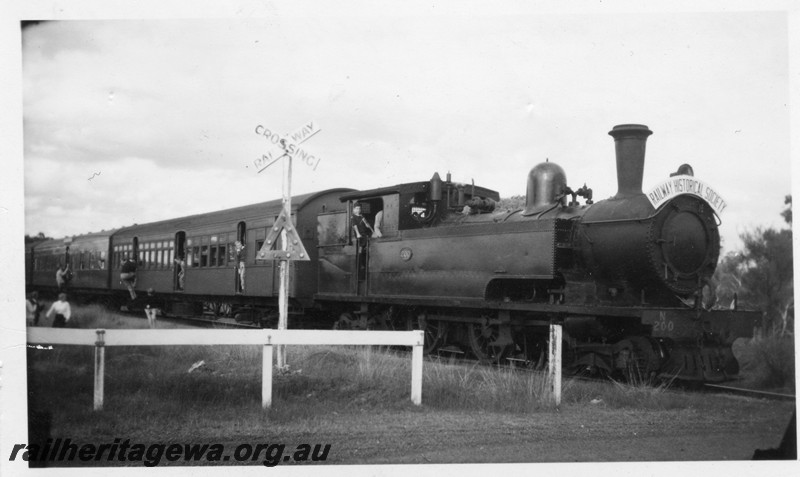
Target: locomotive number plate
{"x":405,"y":254}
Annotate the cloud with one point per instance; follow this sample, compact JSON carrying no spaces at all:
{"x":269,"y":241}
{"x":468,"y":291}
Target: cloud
{"x":172,"y":105}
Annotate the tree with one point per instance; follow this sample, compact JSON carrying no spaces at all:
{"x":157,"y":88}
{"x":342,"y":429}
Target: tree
{"x":512,"y":203}
{"x":36,"y":238}
{"x":762,"y":275}
{"x":787,"y":213}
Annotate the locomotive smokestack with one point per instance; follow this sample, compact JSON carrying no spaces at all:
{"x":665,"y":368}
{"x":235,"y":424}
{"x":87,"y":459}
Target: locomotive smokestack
{"x":630,"y":140}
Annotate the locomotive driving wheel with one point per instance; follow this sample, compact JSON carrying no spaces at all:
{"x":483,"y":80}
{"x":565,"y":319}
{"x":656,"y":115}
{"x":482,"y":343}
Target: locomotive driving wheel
{"x":435,"y":331}
{"x":486,"y":343}
{"x":637,"y":359}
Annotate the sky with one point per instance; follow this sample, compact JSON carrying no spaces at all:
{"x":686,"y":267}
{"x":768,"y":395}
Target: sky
{"x":137,"y":120}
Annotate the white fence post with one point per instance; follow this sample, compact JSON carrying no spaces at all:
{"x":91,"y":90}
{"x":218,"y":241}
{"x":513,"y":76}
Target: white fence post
{"x":554,"y":363}
{"x":99,"y":369}
{"x":266,"y":378}
{"x":416,"y":371}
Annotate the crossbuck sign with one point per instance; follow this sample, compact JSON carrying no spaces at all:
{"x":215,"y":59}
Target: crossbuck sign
{"x":287,"y":145}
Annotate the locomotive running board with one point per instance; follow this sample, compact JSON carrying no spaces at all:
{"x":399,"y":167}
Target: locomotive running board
{"x":479,"y":303}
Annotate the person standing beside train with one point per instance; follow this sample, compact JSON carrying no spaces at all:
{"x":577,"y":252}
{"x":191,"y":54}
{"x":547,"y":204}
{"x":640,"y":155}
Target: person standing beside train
{"x":180,"y":268}
{"x":151,"y":307}
{"x":62,"y":311}
{"x":34,"y":308}
{"x":128,"y":276}
{"x":240,"y":257}
{"x":61,"y":277}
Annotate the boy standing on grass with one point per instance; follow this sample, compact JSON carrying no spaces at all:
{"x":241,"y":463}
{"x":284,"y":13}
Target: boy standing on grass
{"x":151,"y":308}
{"x":34,"y":308}
{"x":62,"y":310}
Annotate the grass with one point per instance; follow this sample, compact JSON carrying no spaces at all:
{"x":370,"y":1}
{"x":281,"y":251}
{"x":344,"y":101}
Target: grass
{"x":96,"y":316}
{"x":186,"y":391}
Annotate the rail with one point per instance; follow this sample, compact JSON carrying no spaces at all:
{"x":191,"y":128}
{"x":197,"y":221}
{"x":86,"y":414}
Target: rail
{"x":267,"y":338}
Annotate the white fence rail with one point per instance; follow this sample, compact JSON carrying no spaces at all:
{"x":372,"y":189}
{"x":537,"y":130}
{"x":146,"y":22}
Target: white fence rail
{"x":266,"y":338}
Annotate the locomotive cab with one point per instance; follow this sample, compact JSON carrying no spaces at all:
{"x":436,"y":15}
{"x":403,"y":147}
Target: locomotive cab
{"x":399,"y":219}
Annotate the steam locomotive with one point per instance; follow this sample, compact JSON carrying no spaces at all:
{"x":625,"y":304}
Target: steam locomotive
{"x":625,"y":278}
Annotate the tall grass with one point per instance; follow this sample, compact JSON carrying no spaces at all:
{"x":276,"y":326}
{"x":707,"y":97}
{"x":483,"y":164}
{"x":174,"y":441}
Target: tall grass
{"x":451,"y":385}
{"x":210,"y":389}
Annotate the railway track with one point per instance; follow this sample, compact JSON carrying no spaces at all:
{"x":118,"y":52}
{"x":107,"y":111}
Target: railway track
{"x":203,"y":321}
{"x":459,"y":357}
{"x":718,"y":388}
{"x":206,"y":322}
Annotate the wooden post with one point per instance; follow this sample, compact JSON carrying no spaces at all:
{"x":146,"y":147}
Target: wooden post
{"x":266,"y":377}
{"x":554,"y":363}
{"x":416,"y":372}
{"x":283,"y":293}
{"x":99,"y":369}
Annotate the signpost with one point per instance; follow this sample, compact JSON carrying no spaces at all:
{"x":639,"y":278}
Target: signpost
{"x":292,"y":248}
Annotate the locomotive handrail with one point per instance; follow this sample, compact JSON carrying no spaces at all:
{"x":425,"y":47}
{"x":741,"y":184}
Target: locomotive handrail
{"x":267,"y":338}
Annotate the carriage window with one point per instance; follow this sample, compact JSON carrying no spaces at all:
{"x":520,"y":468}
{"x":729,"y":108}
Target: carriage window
{"x":204,"y":256}
{"x":222,"y":255}
{"x":213,"y":257}
{"x":195,"y":257}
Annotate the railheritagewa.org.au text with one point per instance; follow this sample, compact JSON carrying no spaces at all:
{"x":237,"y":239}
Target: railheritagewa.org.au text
{"x":153,"y":454}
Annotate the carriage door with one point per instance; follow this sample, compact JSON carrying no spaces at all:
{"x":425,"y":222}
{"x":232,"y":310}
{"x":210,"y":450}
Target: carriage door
{"x":179,"y":261}
{"x":240,"y":254}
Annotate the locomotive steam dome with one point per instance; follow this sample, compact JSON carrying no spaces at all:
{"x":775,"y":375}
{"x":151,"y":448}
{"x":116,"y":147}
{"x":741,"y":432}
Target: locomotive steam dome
{"x":546,"y":181}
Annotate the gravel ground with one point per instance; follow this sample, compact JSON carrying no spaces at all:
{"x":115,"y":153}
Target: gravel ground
{"x":573,"y":434}
{"x":381,"y":439}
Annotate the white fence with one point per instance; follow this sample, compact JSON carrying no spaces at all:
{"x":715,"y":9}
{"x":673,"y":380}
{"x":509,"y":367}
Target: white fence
{"x":266,"y":338}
